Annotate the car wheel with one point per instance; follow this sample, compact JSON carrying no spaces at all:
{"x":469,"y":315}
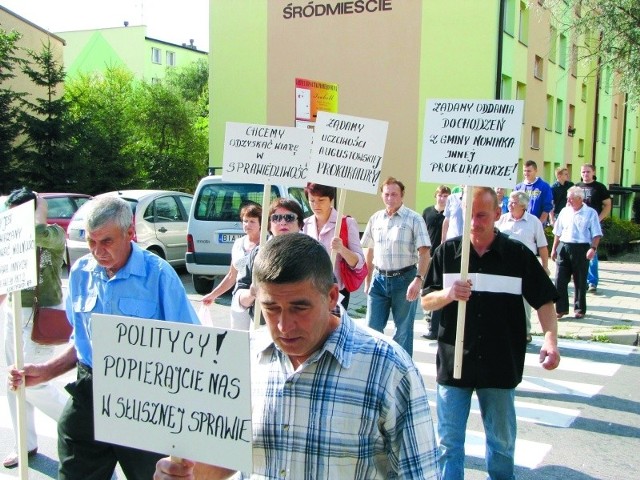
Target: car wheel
{"x":202,"y":285}
{"x":157,"y":251}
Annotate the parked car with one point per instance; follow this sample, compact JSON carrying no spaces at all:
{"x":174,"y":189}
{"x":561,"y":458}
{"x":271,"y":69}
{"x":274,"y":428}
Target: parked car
{"x":62,"y":206}
{"x":160,"y":220}
{"x":214,"y":224}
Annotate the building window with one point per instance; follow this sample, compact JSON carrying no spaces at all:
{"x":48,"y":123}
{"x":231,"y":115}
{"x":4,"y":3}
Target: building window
{"x":549,"y":122}
{"x":574,"y":60}
{"x":523,"y":31}
{"x":581,"y":147}
{"x":509,"y":17}
{"x":171,"y":58}
{"x":535,"y":138}
{"x":155,"y":55}
{"x":521,"y":94}
{"x":583,"y":92}
{"x":604,"y":129}
{"x":537,"y":67}
{"x":559,"y":115}
{"x":615,"y":110}
{"x":562,"y":60}
{"x":613,"y":154}
{"x":571,"y":128}
{"x":553,"y":40}
{"x":505,"y":88}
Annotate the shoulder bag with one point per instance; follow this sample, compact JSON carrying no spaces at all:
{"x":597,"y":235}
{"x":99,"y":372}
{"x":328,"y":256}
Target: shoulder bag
{"x":50,"y":325}
{"x":351,"y":277}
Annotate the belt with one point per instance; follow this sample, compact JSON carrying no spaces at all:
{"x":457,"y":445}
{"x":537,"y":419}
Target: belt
{"x":394,"y":273}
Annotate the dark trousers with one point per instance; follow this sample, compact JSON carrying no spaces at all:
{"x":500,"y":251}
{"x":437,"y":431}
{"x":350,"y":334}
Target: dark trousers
{"x":84,"y":458}
{"x":346,"y":294}
{"x":434,"y":325}
{"x":571,"y":262}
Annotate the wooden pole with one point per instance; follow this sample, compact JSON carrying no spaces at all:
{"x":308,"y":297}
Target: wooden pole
{"x":266,"y":200}
{"x":464,"y":274}
{"x":340,"y":208}
{"x":21,"y":410}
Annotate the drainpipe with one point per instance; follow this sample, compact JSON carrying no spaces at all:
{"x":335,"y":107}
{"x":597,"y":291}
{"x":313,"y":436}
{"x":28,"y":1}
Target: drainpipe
{"x":595,"y":113}
{"x":500,"y":47}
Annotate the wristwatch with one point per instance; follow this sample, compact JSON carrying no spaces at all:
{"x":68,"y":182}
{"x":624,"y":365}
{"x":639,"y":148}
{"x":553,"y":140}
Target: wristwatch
{"x":419,"y":276}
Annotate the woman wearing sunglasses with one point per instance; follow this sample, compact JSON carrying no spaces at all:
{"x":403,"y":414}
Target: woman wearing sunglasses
{"x":322,"y":227}
{"x":285,"y":216}
{"x":251,"y":216}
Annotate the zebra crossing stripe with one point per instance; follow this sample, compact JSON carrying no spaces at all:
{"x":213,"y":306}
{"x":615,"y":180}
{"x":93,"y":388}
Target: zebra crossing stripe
{"x":558,"y":387}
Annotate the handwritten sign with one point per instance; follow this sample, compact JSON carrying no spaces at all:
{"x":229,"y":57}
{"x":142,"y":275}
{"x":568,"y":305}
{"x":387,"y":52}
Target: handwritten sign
{"x":266,"y":154}
{"x":17,"y":248}
{"x":347,"y":151}
{"x":472,"y":142}
{"x":179,"y":389}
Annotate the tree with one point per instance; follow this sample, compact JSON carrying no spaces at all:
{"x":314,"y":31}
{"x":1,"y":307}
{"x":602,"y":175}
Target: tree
{"x":9,"y":125}
{"x":100,"y":105}
{"x":44,"y":157}
{"x":611,"y":30}
{"x":172,"y":151}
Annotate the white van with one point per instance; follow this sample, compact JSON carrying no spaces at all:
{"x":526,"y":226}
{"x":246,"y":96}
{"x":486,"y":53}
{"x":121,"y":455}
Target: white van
{"x":214,"y":224}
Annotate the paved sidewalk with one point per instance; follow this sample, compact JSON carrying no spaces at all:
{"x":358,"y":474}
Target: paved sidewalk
{"x":613,"y":313}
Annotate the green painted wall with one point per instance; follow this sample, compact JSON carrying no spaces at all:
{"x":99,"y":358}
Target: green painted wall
{"x":456,"y":62}
{"x":238,"y":79}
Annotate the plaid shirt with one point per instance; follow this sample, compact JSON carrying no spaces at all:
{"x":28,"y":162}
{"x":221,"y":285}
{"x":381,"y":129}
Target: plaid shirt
{"x":356,"y":409}
{"x":395,"y":239}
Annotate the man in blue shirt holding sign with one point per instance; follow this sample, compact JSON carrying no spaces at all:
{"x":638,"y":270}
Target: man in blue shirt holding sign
{"x":117,"y":278}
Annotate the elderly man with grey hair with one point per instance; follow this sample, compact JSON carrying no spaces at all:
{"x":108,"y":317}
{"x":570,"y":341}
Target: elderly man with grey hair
{"x":524,"y":227}
{"x":116,"y":278}
{"x":577,"y":234}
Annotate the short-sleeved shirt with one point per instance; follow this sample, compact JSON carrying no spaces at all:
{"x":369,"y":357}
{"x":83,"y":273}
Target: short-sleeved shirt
{"x":495,"y":328}
{"x":357,"y":408}
{"x":395,"y":239}
{"x":540,"y":196}
{"x":239,"y":256}
{"x":559,"y":192}
{"x":326,"y":235}
{"x":145,"y":287}
{"x":577,"y":226}
{"x":527,"y":229}
{"x":595,"y":193}
{"x":433,"y":219}
{"x":453,"y":211}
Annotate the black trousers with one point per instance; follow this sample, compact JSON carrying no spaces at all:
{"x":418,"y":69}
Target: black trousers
{"x":571,"y":262}
{"x":84,"y":458}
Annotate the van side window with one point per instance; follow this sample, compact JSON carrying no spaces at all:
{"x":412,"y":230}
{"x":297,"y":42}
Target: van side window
{"x":222,"y":201}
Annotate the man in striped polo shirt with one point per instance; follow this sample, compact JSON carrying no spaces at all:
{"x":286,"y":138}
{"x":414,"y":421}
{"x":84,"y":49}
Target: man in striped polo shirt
{"x":501,"y":273}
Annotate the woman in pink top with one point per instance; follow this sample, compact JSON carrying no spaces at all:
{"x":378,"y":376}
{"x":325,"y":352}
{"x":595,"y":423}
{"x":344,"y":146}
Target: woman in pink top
{"x":322,"y":226}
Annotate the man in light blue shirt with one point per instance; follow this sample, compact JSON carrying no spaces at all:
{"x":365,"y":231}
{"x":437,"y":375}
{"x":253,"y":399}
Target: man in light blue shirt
{"x":577,"y":234}
{"x":117,"y":278}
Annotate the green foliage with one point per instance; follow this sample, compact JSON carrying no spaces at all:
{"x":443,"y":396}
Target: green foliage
{"x":44,"y":156}
{"x":610,"y":30}
{"x":618,"y":232}
{"x":9,"y":125}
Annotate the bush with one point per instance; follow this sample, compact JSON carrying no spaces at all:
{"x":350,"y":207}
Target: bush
{"x":617,"y":235}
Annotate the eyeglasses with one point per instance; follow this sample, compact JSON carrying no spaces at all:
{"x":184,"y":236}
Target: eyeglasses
{"x":287,"y":217}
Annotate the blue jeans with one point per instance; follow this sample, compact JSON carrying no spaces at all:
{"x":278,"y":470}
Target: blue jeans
{"x":388,"y":294}
{"x":592,"y":276}
{"x":499,"y":420}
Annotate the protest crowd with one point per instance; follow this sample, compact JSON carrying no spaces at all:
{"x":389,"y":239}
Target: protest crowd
{"x":402,"y":259}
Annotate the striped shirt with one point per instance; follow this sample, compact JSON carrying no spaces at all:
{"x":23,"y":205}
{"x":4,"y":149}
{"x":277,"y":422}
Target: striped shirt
{"x":355,"y":409}
{"x":395,"y":239}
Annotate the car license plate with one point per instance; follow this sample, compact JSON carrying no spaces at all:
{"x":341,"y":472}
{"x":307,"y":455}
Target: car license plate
{"x":81,"y":234}
{"x":228,"y":237}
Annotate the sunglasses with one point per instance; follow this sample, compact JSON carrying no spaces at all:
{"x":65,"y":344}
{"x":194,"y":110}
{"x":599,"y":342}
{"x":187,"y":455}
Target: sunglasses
{"x":287,"y":217}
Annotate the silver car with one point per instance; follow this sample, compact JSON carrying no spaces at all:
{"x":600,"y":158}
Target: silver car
{"x":160,"y":220}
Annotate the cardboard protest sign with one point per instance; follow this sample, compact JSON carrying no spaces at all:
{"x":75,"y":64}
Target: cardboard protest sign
{"x":472,"y":142}
{"x":348,"y":151}
{"x":17,"y":248}
{"x":179,"y":389}
{"x":266,"y":154}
